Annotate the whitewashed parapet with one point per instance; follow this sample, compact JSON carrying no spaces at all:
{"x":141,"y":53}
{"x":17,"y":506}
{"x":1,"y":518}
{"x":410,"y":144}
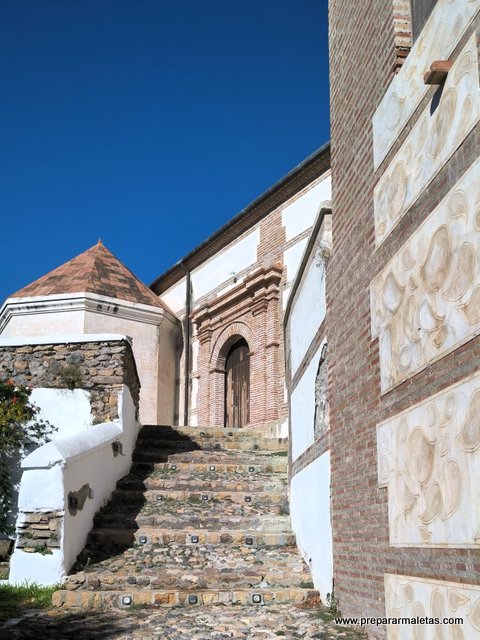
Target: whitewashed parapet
{"x":440,"y":35}
{"x":429,"y":458}
{"x":450,"y":602}
{"x":72,"y":478}
{"x":426,"y":300}
{"x":429,"y":145}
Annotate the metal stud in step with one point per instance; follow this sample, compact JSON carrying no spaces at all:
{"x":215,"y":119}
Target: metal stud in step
{"x":143,"y":539}
{"x":257,"y":598}
{"x":248,"y":498}
{"x":194,"y":539}
{"x":173,"y":467}
{"x":251,"y":469}
{"x":249,"y":541}
{"x":159,"y":497}
{"x":205,"y":498}
{"x":230,"y":433}
{"x":192,"y":599}
{"x":127,"y":601}
{"x":256,"y":447}
{"x":212,"y":467}
{"x":217,"y":445}
{"x":202,"y":433}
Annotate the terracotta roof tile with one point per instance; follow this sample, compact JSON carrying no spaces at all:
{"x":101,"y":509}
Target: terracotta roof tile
{"x":94,"y":271}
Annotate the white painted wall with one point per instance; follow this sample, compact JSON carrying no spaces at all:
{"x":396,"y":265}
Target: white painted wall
{"x":308,"y":312}
{"x":310,"y":513}
{"x":301,"y":214}
{"x":302,"y":403}
{"x":45,"y":323}
{"x":238,"y":256}
{"x":292,"y":258}
{"x":65,"y":465}
{"x":175,"y":297}
{"x":68,"y":410}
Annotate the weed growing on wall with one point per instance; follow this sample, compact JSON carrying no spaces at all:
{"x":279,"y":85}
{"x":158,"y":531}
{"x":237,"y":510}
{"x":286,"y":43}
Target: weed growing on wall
{"x":19,"y":431}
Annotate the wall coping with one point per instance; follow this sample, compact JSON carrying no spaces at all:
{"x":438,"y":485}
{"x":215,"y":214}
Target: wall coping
{"x":78,"y":338}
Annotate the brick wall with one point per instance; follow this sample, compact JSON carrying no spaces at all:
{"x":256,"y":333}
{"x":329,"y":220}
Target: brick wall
{"x":362,"y":56}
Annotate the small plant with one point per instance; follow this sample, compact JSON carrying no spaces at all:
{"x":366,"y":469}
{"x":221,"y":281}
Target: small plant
{"x":332,"y":604}
{"x":306,"y":585}
{"x":72,"y":376}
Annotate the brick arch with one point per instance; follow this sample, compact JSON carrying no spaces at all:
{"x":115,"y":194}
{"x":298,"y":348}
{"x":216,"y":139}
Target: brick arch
{"x":226,"y":339}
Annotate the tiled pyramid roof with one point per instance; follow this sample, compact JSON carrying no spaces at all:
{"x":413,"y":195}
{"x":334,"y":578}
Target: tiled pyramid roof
{"x":94,"y":271}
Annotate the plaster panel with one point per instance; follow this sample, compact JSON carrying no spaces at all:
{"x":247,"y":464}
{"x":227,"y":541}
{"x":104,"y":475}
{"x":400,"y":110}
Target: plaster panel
{"x":303,"y":409}
{"x":430,"y":144}
{"x":292,"y":258}
{"x":301,"y":214}
{"x":68,"y":410}
{"x":440,"y":35}
{"x":429,"y":458}
{"x":426,"y":301}
{"x":308,"y":312}
{"x":237,"y":257}
{"x":44,"y":323}
{"x":175,"y":297}
{"x":310,"y":512}
{"x":411,"y":597}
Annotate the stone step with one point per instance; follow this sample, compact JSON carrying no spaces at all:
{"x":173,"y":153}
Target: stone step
{"x":171,"y":445}
{"x":273,"y":462}
{"x":87,"y":600}
{"x":139,"y":497}
{"x":205,"y":432}
{"x":125,"y":538}
{"x":118,"y":517}
{"x":207,"y":481}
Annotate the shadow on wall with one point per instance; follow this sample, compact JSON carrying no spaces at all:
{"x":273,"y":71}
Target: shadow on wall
{"x":117,"y":523}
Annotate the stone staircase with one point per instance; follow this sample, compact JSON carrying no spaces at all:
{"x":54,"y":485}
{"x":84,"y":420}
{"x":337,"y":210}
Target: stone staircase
{"x":202,"y":518}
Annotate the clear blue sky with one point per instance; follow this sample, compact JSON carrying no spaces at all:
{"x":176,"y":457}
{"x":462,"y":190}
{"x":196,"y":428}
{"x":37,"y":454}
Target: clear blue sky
{"x":148,"y":123}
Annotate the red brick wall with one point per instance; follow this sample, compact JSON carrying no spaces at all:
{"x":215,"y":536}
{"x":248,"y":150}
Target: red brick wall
{"x":362,"y":56}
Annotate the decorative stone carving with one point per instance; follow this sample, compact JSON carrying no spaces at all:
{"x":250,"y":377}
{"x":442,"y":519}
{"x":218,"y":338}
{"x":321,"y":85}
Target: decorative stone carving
{"x":430,"y":144}
{"x":409,"y":597}
{"x":426,"y":301}
{"x":407,"y":88}
{"x":429,"y":458}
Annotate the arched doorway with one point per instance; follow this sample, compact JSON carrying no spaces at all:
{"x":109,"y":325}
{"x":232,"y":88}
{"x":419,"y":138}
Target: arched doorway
{"x":237,"y":385}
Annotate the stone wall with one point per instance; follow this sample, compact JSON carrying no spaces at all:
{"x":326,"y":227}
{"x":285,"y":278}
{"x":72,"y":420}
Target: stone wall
{"x":40,"y":532}
{"x":99,"y":367}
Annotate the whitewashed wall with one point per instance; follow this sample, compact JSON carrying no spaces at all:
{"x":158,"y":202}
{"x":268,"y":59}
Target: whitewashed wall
{"x":310,"y":512}
{"x":65,"y":465}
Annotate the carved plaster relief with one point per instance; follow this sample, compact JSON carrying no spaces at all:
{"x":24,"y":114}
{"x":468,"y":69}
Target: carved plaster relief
{"x":426,"y":301}
{"x":439,"y":37}
{"x":430,"y":144}
{"x":429,"y":458}
{"x":409,"y":597}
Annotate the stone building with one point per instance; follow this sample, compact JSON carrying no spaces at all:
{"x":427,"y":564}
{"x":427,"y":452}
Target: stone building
{"x":403,"y":312}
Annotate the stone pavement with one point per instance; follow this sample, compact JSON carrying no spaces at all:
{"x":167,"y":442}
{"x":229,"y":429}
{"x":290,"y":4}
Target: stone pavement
{"x":195,"y":623}
{"x":195,"y":544}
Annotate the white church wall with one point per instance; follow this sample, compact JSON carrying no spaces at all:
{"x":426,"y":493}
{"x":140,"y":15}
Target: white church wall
{"x":308,"y":312}
{"x":300,"y":215}
{"x":39,"y":322}
{"x":310,"y":513}
{"x":302,"y":407}
{"x":236,"y":257}
{"x":175,"y":297}
{"x":66,"y":465}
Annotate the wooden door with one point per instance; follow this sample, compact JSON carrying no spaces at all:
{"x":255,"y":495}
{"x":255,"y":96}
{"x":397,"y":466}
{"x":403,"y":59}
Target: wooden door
{"x":237,"y":385}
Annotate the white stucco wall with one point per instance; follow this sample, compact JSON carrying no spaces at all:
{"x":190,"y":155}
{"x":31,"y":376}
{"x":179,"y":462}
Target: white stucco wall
{"x":65,"y":465}
{"x":302,"y":405}
{"x":301,"y":214}
{"x":68,"y":410}
{"x":310,"y":513}
{"x":238,"y":256}
{"x":292,"y":258}
{"x":175,"y":298}
{"x":308,"y":312}
{"x":44,"y":322}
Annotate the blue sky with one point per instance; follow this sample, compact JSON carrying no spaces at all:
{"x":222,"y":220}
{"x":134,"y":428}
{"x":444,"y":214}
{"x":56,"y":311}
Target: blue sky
{"x":148,"y":123}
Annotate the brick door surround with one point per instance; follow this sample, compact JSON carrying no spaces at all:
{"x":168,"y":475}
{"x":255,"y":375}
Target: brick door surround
{"x":250,"y":311}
